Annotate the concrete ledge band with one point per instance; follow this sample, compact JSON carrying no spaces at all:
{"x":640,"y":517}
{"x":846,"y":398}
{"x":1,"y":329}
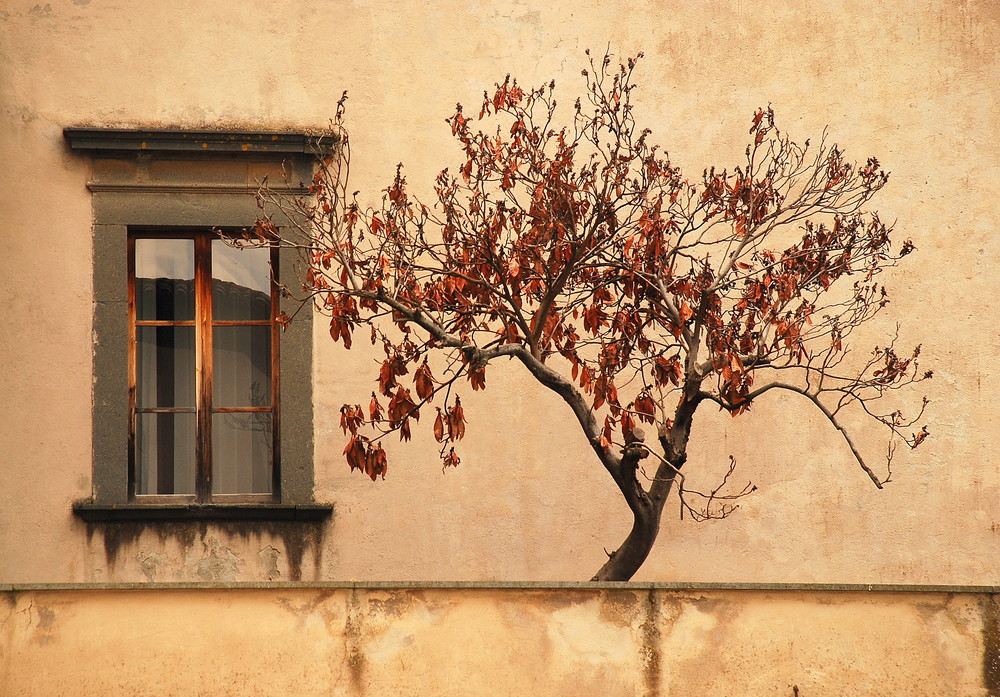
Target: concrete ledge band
{"x":513,"y":585}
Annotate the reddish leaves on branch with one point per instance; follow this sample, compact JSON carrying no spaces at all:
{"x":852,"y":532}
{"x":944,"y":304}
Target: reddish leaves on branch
{"x":366,"y":456}
{"x":645,"y":408}
{"x":401,"y":409}
{"x":424,"y":382}
{"x":451,"y":459}
{"x":666,"y":371}
{"x":583,"y":250}
{"x":439,"y":426}
{"x":477,"y":378}
{"x":456,"y":421}
{"x":374,"y":409}
{"x":449,"y":425}
{"x":351,"y":418}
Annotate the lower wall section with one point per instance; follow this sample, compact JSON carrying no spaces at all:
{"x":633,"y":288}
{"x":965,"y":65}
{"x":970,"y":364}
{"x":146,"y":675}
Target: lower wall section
{"x":574,"y":641}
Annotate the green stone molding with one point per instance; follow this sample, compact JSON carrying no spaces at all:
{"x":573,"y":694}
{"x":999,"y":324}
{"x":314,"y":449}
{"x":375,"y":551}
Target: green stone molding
{"x":151,"y":140}
{"x":198,"y":179}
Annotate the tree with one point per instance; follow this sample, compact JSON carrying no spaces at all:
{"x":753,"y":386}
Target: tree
{"x":633,"y":293}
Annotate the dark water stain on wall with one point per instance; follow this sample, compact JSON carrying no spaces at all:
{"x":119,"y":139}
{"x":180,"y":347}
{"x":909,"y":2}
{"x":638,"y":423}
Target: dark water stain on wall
{"x":298,"y":538}
{"x":650,"y":645}
{"x":354,"y":638}
{"x":991,"y":645}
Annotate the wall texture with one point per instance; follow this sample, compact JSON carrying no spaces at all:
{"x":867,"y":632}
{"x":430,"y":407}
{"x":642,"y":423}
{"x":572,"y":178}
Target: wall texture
{"x":505,"y":642}
{"x":916,"y":88}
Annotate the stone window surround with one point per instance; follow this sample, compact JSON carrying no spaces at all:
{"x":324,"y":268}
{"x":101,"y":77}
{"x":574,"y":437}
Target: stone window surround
{"x":188,"y":179}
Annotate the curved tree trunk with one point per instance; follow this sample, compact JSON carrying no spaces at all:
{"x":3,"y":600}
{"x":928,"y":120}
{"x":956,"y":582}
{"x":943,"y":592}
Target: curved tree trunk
{"x":647,"y":510}
{"x":647,"y":507}
{"x":626,"y":560}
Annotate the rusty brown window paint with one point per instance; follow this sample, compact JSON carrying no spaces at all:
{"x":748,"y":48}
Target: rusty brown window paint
{"x":203,"y":357}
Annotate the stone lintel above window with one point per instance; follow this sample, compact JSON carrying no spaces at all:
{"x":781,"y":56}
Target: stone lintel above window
{"x":151,"y":140}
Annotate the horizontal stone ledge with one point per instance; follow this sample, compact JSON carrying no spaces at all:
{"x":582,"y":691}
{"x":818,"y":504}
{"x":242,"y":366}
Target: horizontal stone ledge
{"x":112,"y":513}
{"x":514,"y":586}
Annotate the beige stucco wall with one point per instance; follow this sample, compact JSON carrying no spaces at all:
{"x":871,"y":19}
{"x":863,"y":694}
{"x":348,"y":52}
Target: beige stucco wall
{"x":915,"y":86}
{"x":502,"y":642}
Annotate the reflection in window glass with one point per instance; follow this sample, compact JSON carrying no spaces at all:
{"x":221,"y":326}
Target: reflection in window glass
{"x":241,"y":282}
{"x":242,"y":358}
{"x":164,"y":279}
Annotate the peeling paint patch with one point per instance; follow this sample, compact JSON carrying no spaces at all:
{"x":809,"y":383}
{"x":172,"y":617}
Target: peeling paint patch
{"x":219,"y":564}
{"x":952,"y":639}
{"x":269,"y":562}
{"x":44,"y":619}
{"x":693,"y":630}
{"x":394,"y":604}
{"x":149,"y":564}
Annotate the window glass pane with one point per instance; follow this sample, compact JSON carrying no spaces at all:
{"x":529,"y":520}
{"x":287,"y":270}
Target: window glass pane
{"x":242,"y":366}
{"x":165,"y":362}
{"x":164,"y":453}
{"x":164,"y":279}
{"x":241,"y":453}
{"x":241,"y":282}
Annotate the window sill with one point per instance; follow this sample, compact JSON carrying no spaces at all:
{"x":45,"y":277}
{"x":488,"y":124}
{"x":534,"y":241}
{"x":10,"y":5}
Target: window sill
{"x":109,"y":513}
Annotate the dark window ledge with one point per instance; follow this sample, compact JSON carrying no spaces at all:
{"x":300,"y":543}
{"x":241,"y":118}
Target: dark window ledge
{"x":109,"y":513}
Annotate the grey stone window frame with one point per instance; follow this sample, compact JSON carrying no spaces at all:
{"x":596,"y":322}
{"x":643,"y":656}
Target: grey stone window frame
{"x":187,"y":180}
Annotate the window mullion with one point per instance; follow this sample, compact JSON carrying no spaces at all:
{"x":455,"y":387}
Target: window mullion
{"x":132,"y":348}
{"x":275,"y":383}
{"x":203,"y":285}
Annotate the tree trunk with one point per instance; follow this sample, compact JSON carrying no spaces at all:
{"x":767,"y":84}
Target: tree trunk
{"x":647,"y":507}
{"x":626,"y":560}
{"x":647,"y":510}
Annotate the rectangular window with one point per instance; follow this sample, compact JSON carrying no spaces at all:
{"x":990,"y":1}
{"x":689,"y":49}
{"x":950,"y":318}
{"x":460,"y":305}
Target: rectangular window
{"x":186,"y":397}
{"x":203,"y":357}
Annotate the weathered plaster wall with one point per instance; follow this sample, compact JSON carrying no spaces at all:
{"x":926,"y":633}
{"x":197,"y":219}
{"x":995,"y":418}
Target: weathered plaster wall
{"x":467,"y":641}
{"x":915,"y":87}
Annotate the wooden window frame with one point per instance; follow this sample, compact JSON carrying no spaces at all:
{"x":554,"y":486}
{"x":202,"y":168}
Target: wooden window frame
{"x":204,"y":323}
